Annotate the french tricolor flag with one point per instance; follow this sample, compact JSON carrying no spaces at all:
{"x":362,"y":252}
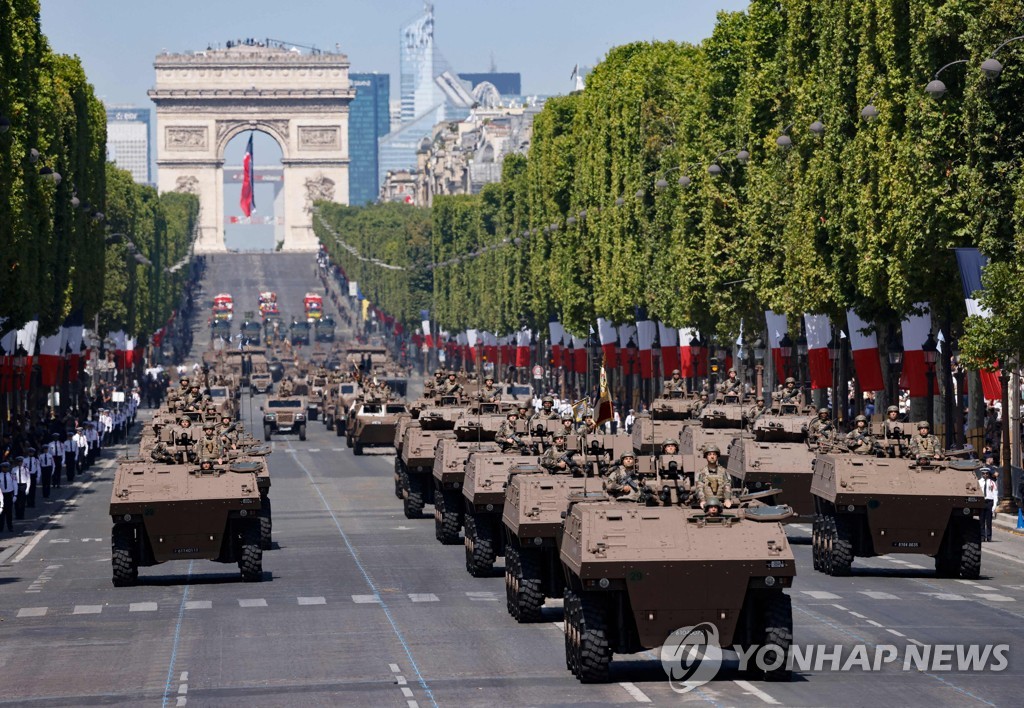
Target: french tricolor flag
{"x":864,"y":345}
{"x":645,"y":330}
{"x":971,"y":262}
{"x":609,"y":337}
{"x":248,"y":198}
{"x":668,"y":336}
{"x":777,"y":328}
{"x":915,"y":332}
{"x":818,"y":330}
{"x":523,"y":348}
{"x":556,"y":332}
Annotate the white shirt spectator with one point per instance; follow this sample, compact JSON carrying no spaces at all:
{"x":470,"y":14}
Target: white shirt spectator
{"x":80,"y":441}
{"x":991,"y":490}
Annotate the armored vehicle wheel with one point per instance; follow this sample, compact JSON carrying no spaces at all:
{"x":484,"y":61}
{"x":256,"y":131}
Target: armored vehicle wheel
{"x":302,"y":432}
{"x":250,"y":560}
{"x":777,"y":616}
{"x":339,"y":427}
{"x":412,"y":498}
{"x":970,"y":550}
{"x":398,"y":477}
{"x":446,"y":516}
{"x":348,"y":440}
{"x":826,"y":544}
{"x":522,"y":584}
{"x":267,"y":431}
{"x":842,"y":546}
{"x":568,"y":625}
{"x":594,"y":654}
{"x":313,"y":414}
{"x":328,"y":422}
{"x":266,"y":524}
{"x":479,"y":543}
{"x":357,"y":449}
{"x":125,"y":569}
{"x":816,"y":542}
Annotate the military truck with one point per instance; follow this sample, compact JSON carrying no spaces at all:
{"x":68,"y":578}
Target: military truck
{"x":634,"y":574}
{"x":783,"y":466}
{"x":417,"y":468}
{"x":261,"y":381}
{"x":299,"y":332}
{"x":868,"y":506}
{"x":164,"y":512}
{"x":373,"y":424}
{"x":449,"y":471}
{"x":483,"y":492}
{"x":324,"y":329}
{"x":283,"y":413}
{"x":220,"y":329}
{"x":251,"y":331}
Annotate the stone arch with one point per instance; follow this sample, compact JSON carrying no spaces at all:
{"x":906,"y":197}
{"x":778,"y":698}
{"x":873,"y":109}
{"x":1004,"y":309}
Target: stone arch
{"x":228,"y":130}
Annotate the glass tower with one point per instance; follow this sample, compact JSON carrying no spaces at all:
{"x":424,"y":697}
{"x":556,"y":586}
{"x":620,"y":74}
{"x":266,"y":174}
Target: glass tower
{"x":369,"y":118}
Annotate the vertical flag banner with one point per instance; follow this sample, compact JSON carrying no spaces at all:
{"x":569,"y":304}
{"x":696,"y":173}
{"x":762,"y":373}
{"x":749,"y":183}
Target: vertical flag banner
{"x":555,"y":333}
{"x":669,"y":350}
{"x":865,"y":353}
{"x":645,"y":330}
{"x":777,"y":328}
{"x":915,"y":332}
{"x":523,"y":348}
{"x":248,"y":198}
{"x":579,"y":354}
{"x":626,"y":333}
{"x":971,"y":262}
{"x":609,"y":337}
{"x":819,"y":332}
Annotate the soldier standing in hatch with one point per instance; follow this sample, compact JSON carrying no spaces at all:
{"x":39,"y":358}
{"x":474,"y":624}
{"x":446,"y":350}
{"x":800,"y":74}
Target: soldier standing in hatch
{"x":209,"y":447}
{"x":674,"y":386}
{"x":860,"y":440}
{"x":924,"y":444}
{"x":821,"y":427}
{"x":790,"y":395}
{"x":489,"y":393}
{"x":702,"y":403}
{"x":506,"y":435}
{"x":731,"y":386}
{"x":545,"y":413}
{"x":621,"y":482}
{"x":552,"y":460}
{"x":713,"y":480}
{"x":451,"y":387}
{"x":755,"y":411}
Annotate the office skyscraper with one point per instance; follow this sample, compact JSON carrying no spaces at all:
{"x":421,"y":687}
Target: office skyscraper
{"x":128,"y":141}
{"x":369,"y":118}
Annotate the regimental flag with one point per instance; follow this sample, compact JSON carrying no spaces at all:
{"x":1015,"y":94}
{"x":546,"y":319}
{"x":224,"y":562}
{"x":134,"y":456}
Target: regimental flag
{"x":605,"y":409}
{"x":248,"y":198}
{"x":579,"y":410}
{"x":864,"y":345}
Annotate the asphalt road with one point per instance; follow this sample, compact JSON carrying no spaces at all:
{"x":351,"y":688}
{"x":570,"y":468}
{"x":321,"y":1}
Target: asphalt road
{"x":361,"y":606}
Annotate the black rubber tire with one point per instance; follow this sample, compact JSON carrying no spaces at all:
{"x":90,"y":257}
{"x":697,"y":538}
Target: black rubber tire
{"x":267,"y":431}
{"x":816,"y":542}
{"x":313,"y":414}
{"x":595,"y":653}
{"x":348,"y":440}
{"x":842,"y":546}
{"x":302,"y":432}
{"x":328,"y":422}
{"x":398,"y":478}
{"x":777,"y":616}
{"x":447,"y":523}
{"x":826,"y":544}
{"x":511,"y":571}
{"x":339,"y":427}
{"x":479,"y":544}
{"x":250,"y":560}
{"x":526,"y":585}
{"x":571,"y":612}
{"x":412,"y":499}
{"x":357,"y":449}
{"x":266,"y":524}
{"x":969,"y":538}
{"x":125,"y":569}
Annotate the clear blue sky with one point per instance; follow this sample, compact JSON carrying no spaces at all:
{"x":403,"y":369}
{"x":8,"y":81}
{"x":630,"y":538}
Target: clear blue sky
{"x":118,"y":39}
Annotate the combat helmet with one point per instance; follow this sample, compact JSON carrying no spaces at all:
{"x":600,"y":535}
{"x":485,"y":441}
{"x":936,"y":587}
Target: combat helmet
{"x":712,"y":448}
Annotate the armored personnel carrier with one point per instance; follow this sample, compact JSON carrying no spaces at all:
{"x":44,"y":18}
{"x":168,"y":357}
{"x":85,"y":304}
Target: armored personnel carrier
{"x":184,"y":512}
{"x":348,"y":392}
{"x":635,"y":574}
{"x":284,"y":413}
{"x":449,"y":471}
{"x":695,"y":439}
{"x":724,"y":412}
{"x":868,"y":506}
{"x":483,"y":492}
{"x":649,"y":433}
{"x":373,"y":424}
{"x":416,"y":470}
{"x":783,"y":466}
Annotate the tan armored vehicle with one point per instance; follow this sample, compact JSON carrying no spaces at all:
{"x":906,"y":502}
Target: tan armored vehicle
{"x":417,"y":466}
{"x":184,"y":512}
{"x":483,"y":492}
{"x":348,"y":393}
{"x":867,"y":506}
{"x":695,"y":439}
{"x":649,"y":433}
{"x":284,"y":413}
{"x":373,"y":424}
{"x":635,"y":574}
{"x":449,"y":472}
{"x":724,"y":412}
{"x":783,"y":466}
{"x":261,"y":381}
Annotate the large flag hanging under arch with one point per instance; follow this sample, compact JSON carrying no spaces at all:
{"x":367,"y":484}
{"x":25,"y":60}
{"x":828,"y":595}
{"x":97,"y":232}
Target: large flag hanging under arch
{"x":248,"y":199}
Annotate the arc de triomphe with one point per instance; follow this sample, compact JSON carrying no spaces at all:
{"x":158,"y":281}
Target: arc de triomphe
{"x":204,"y":99}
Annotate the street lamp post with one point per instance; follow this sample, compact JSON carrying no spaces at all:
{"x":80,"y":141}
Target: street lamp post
{"x":786,"y":350}
{"x":695,"y":350}
{"x":759,"y":366}
{"x":801,"y":361}
{"x":895,"y":362}
{"x":834,"y":349}
{"x":930,"y":351}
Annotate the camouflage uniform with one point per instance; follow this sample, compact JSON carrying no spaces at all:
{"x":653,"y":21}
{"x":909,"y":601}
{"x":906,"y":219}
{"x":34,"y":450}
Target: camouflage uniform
{"x":790,"y":394}
{"x":542,"y":416}
{"x":488,"y":394}
{"x":713,"y":482}
{"x":616,"y":483}
{"x":926,"y":445}
{"x":860,"y":440}
{"x":674,"y":384}
{"x":730,"y":387}
{"x":820,"y":428}
{"x":505,"y":431}
{"x":698,"y":408}
{"x":550,"y":459}
{"x":756,"y":411}
{"x":210,"y":448}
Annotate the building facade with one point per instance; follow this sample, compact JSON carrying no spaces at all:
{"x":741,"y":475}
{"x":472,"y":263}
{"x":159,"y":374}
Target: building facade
{"x":128,"y":143}
{"x":369,"y":120}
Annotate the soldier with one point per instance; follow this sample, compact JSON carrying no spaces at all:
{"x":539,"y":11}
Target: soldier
{"x":489,"y":393}
{"x":545,"y":413}
{"x":227,"y":433}
{"x":161,"y":454}
{"x":209,"y":447}
{"x":31,"y":464}
{"x":702,"y":403}
{"x":451,"y":387}
{"x":790,"y":395}
{"x":712,"y":480}
{"x":9,"y":491}
{"x":523,"y":412}
{"x":893,"y":430}
{"x":860,"y":440}
{"x":821,"y":427}
{"x":56,"y":448}
{"x":568,"y":424}
{"x":506,"y":435}
{"x":588,"y":426}
{"x":554,"y":459}
{"x":46,"y":459}
{"x":756,"y":411}
{"x":731,"y":386}
{"x":713,"y":507}
{"x":670,"y":447}
{"x":675,"y":386}
{"x":621,"y":482}
{"x":924,"y":444}
{"x":432,"y":386}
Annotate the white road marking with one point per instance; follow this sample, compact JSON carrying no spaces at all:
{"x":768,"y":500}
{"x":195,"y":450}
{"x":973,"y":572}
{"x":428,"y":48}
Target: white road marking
{"x":412,"y":704}
{"x":986,"y":550}
{"x":255,"y":602}
{"x":87,"y":609}
{"x":407,"y":692}
{"x":32,"y":612}
{"x":482,"y":596}
{"x":184,"y":677}
{"x":183,"y":688}
{"x":948,"y":596}
{"x":968,"y":582}
{"x":400,"y":680}
{"x":87,"y":540}
{"x":820,"y":595}
{"x":337,"y":449}
{"x":181,"y":701}
{"x":876,"y":595}
{"x":638,"y":695}
{"x":914,"y":641}
{"x":365,"y":599}
{"x":560,"y":625}
{"x":423,"y":597}
{"x":312,"y":601}
{"x":875,"y":624}
{"x":142,"y":607}
{"x":994,"y":597}
{"x":58,"y":540}
{"x":895,"y":633}
{"x":29,"y":546}
{"x":858,"y":615}
{"x":394,"y":668}
{"x":914,"y":566}
{"x":199,"y":605}
{"x":755,"y":691}
{"x":838,"y":607}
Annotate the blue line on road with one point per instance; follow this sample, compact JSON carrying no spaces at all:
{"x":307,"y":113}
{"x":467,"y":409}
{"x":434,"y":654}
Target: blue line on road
{"x":177,"y":635}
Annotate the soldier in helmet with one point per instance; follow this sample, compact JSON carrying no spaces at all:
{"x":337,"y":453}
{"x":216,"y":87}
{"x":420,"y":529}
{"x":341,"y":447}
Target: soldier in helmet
{"x":451,"y":387}
{"x":670,"y":447}
{"x":588,"y":426}
{"x":675,"y":386}
{"x":210,"y":447}
{"x":554,"y":459}
{"x":523,"y":412}
{"x":431,"y":387}
{"x":790,"y":395}
{"x":713,"y":507}
{"x":546,"y":412}
{"x":621,"y":482}
{"x":713,"y":480}
{"x":506,"y":435}
{"x":821,"y":428}
{"x":700,"y":405}
{"x":756,"y":411}
{"x":893,"y":428}
{"x":489,"y":393}
{"x":924,"y":444}
{"x":860,"y":440}
{"x":568,"y":424}
{"x":731,"y":386}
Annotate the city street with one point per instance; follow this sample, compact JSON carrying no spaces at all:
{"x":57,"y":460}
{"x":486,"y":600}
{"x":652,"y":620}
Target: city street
{"x":361,"y":606}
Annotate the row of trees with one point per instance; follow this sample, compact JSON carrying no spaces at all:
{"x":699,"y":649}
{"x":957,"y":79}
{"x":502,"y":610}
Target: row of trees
{"x":60,"y":201}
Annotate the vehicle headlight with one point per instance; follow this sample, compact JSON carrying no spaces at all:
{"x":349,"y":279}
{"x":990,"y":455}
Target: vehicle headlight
{"x":300,"y":416}
{"x":271,"y":416}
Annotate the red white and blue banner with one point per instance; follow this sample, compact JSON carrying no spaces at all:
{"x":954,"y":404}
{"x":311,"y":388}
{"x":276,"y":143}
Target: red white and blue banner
{"x":971,"y":262}
{"x":819,"y":332}
{"x":248,"y":198}
{"x":864,"y":344}
{"x":777,"y":329}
